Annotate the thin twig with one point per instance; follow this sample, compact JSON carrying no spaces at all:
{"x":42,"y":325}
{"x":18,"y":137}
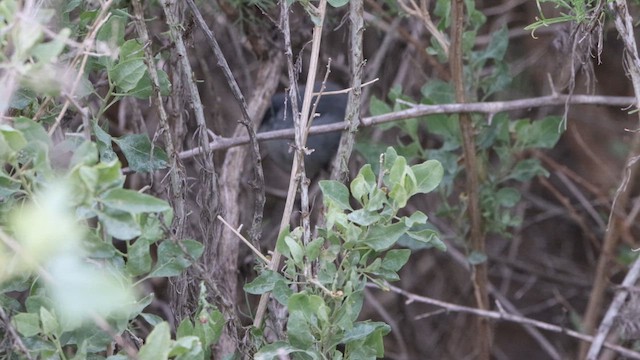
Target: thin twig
{"x":258,"y":184}
{"x":491,"y":108}
{"x":245,"y":241}
{"x":617,"y":303}
{"x":504,"y":316}
{"x":15,"y":338}
{"x":176,"y":174}
{"x":101,"y":19}
{"x":624,"y":25}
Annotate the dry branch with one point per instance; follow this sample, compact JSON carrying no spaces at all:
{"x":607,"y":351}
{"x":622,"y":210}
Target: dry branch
{"x":504,"y":316}
{"x":490,"y":108}
{"x":624,"y":26}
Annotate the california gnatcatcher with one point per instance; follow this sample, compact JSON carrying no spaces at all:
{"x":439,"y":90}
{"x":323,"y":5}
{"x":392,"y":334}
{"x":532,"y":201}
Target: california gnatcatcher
{"x":330,"y":109}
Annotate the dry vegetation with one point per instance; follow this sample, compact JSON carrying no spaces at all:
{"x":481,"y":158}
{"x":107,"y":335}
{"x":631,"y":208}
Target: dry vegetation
{"x":562,"y":264}
{"x":543,"y":269}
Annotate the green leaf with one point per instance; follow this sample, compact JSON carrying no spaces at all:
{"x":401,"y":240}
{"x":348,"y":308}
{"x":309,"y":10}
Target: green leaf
{"x":335,"y":192}
{"x":446,"y":127}
{"x":377,"y":106}
{"x":497,"y":47}
{"x":526,"y":169}
{"x":133,"y":202}
{"x":543,"y":133}
{"x":295,"y":249}
{"x":109,"y":176}
{"x":265,"y":282}
{"x":363,"y":184}
{"x":362,"y":330}
{"x":279,"y":349}
{"x":382,"y":237}
{"x":428,"y":237}
{"x":8,"y":185}
{"x":70,"y":6}
{"x":428,"y":175}
{"x":152,"y":319}
{"x":144,"y":90}
{"x":49,"y":323}
{"x":438,"y":92}
{"x":140,"y":156}
{"x":103,"y":140}
{"x":507,"y":197}
{"x":298,"y":329}
{"x":27,"y":324}
{"x":377,"y":201}
{"x":12,"y":137}
{"x":338,"y":3}
{"x":130,"y":69}
{"x":312,"y":250}
{"x":138,"y":257}
{"x":397,"y":172}
{"x":208,"y":326}
{"x":49,"y":51}
{"x":364,"y":217}
{"x":369,"y":346}
{"x":172,"y":261}
{"x":187,"y":348}
{"x":126,"y":75}
{"x":281,"y":246}
{"x":282,"y":292}
{"x":112,"y":31}
{"x":119,"y":224}
{"x":185,"y":328}
{"x":31,"y":130}
{"x":304,"y":312}
{"x":395,"y":259}
{"x":400,"y":195}
{"x":158,"y":344}
{"x":417,"y":217}
{"x":85,"y":154}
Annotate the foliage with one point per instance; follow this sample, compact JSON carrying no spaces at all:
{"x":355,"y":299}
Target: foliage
{"x":500,"y":141}
{"x":355,"y":246}
{"x":574,"y":11}
{"x":75,"y":244}
{"x":73,"y":240}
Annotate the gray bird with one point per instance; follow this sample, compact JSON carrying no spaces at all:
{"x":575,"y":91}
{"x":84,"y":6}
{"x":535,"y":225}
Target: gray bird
{"x":330,"y":109}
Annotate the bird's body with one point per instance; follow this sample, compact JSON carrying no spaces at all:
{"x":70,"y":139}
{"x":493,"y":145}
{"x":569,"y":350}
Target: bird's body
{"x":330,"y":109}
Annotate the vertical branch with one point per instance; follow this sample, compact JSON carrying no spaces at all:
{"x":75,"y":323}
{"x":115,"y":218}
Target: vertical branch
{"x":301,"y":132}
{"x":477,"y":241}
{"x":185,"y":298}
{"x":624,"y":26}
{"x":226,"y":254}
{"x":176,"y":172}
{"x":258,"y":183}
{"x":340,"y":170}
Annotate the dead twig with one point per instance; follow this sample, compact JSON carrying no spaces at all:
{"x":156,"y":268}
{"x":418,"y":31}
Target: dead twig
{"x":624,"y":25}
{"x":491,"y":108}
{"x":504,"y":316}
{"x":258,"y":184}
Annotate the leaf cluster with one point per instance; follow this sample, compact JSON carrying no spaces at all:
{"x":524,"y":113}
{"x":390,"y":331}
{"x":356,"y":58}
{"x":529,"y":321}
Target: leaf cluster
{"x":355,"y":246}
